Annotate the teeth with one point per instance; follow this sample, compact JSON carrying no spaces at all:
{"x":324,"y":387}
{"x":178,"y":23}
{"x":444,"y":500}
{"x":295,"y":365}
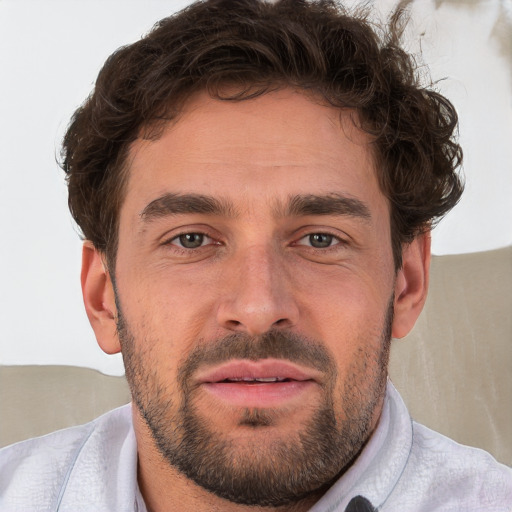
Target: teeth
{"x":256,"y":379}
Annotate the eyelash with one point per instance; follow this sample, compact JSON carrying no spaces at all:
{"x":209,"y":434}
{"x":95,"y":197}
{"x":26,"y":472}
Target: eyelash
{"x":188,"y":249}
{"x":333,"y":238}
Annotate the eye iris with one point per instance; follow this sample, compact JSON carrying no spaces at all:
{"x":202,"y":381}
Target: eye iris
{"x":191,"y":240}
{"x":320,"y":240}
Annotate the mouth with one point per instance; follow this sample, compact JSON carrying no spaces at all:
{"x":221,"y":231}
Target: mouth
{"x":263,"y":383}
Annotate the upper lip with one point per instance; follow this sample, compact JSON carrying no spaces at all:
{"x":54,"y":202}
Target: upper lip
{"x":243,"y":369}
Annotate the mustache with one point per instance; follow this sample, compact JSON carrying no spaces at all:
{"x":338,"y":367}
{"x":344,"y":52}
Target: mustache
{"x":272,"y":344}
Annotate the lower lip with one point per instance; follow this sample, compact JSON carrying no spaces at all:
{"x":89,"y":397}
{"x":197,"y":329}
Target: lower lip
{"x":258,"y":395}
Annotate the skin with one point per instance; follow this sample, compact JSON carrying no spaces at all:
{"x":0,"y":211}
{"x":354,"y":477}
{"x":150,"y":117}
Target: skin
{"x":256,"y":269}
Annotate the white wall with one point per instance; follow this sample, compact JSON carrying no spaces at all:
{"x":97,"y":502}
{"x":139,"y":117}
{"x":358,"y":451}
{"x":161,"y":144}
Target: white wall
{"x":50,"y":53}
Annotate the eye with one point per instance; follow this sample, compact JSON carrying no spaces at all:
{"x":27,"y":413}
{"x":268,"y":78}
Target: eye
{"x":319,"y":240}
{"x":191,"y":240}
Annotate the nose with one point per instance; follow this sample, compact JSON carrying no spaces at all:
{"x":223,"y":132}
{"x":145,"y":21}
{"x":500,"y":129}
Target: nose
{"x":257,"y":294}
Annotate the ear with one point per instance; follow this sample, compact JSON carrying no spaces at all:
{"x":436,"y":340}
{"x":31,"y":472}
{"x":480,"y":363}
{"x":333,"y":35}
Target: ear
{"x":98,"y":294}
{"x":411,"y":285}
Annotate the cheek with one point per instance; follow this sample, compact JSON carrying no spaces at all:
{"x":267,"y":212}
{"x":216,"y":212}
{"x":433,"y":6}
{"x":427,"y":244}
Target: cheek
{"x":168,"y":307}
{"x":349,"y":313}
{"x":346,"y":299}
{"x":356,"y":345}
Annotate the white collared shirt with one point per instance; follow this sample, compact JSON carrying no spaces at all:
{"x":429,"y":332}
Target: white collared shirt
{"x":405,"y":467}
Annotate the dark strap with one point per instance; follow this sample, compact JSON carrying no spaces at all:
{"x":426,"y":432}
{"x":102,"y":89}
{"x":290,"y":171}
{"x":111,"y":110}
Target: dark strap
{"x":360,"y":504}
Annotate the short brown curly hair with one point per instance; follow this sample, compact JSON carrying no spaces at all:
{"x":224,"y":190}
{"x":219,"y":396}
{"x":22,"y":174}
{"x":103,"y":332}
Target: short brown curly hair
{"x":317,"y":47}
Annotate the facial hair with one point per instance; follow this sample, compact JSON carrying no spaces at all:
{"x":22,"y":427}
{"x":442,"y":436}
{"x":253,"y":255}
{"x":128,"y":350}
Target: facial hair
{"x":275,"y":472}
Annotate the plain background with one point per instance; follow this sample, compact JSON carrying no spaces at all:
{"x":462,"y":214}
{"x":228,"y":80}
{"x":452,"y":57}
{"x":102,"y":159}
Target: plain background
{"x":50,"y":54}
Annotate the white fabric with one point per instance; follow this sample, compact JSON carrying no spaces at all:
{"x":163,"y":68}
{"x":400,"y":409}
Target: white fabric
{"x":404,"y":467}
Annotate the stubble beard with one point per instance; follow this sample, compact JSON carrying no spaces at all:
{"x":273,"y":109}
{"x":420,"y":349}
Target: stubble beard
{"x":276,"y":471}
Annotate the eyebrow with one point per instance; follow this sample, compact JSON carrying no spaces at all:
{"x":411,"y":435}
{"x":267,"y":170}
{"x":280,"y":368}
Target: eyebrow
{"x":296,"y":206}
{"x":179,"y":204}
{"x":331,"y":204}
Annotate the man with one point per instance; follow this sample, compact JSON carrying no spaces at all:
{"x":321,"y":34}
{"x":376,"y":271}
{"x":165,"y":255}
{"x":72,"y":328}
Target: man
{"x":256,"y":184}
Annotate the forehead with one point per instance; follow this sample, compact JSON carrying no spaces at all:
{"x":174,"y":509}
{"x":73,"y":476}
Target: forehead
{"x":267,"y":148}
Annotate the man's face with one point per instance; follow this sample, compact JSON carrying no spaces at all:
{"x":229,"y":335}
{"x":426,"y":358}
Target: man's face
{"x":255,"y":286}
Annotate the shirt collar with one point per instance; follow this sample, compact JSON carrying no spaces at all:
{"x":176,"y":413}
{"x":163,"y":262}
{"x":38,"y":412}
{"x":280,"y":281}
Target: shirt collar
{"x":103,"y":475}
